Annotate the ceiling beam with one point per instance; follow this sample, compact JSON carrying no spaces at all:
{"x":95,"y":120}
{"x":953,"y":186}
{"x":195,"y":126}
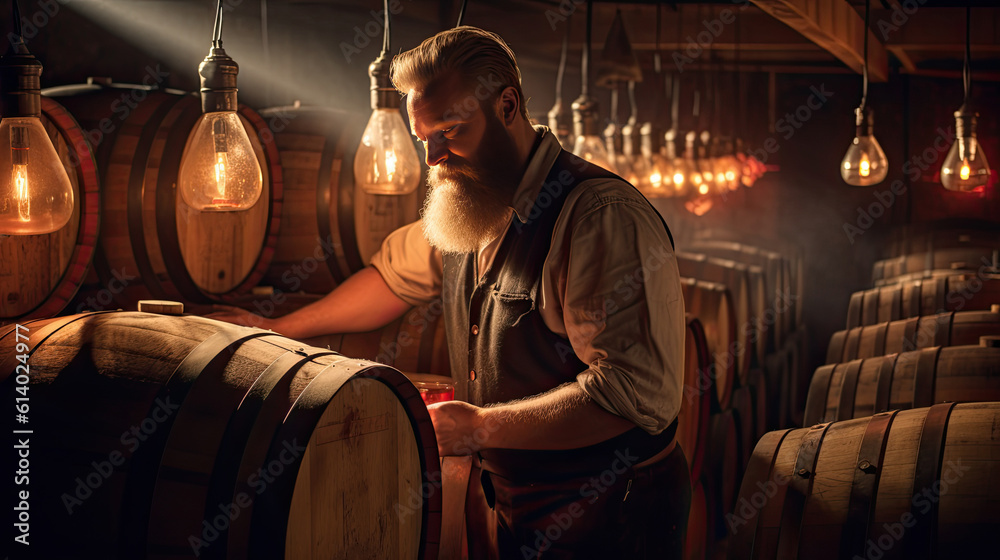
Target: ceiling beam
{"x":835,"y":26}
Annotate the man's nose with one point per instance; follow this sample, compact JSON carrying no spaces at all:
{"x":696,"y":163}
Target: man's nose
{"x":435,"y":152}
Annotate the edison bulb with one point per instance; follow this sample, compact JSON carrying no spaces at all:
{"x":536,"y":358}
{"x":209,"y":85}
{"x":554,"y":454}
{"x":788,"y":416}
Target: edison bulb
{"x":864,"y":164}
{"x":386,"y":161}
{"x":219,"y":170}
{"x":965,"y":167}
{"x":591,"y":148}
{"x":36,"y":195}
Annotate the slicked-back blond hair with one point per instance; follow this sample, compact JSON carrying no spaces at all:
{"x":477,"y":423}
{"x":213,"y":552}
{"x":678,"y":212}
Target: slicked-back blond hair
{"x":481,"y":57}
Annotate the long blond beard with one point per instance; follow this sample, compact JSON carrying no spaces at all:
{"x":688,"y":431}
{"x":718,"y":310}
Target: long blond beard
{"x":460,"y":217}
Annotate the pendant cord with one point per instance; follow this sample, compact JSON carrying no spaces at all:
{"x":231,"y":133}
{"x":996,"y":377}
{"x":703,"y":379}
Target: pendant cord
{"x":217,"y":28}
{"x":385,"y":27}
{"x":562,"y":60}
{"x":864,"y":67}
{"x":966,"y":72}
{"x":585,"y":86}
{"x":461,"y":13}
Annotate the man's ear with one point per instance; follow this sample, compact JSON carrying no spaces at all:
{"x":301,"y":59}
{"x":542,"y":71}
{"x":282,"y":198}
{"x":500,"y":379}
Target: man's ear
{"x":509,"y":105}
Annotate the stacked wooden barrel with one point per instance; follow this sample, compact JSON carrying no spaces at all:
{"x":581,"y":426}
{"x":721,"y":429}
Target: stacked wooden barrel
{"x":892,"y":467}
{"x":741,"y":294}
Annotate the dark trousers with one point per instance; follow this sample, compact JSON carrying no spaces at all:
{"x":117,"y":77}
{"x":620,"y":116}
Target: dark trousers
{"x":622,"y":512}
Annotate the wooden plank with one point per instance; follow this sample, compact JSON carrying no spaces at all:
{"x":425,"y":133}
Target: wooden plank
{"x":835,"y":26}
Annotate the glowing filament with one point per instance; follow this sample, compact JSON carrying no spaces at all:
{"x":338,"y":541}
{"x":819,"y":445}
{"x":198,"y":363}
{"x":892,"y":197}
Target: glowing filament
{"x":390,"y":164}
{"x":656,"y":179}
{"x":964,"y":173}
{"x":20,"y":180}
{"x":865,"y":167}
{"x":703,"y":189}
{"x":220,"y":174}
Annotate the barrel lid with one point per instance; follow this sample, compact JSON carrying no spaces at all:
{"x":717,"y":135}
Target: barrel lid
{"x":991,"y":341}
{"x":162,"y":307}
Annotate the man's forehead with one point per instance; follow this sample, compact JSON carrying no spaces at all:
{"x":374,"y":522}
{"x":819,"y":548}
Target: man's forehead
{"x":446,"y":98}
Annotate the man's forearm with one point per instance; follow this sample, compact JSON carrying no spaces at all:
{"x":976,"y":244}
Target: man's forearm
{"x":362,"y":303}
{"x":564,"y":418}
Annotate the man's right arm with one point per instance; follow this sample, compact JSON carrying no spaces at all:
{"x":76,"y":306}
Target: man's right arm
{"x":363,"y":302}
{"x":405,"y":272}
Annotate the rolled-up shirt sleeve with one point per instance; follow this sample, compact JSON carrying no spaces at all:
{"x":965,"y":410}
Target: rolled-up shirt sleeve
{"x":409,"y":265}
{"x":623,"y":309}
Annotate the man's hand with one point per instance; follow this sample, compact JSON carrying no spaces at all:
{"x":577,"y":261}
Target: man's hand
{"x":460,"y":427}
{"x":238,"y":316}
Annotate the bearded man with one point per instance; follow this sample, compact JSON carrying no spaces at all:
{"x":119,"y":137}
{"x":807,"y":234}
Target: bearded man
{"x":563,"y":310}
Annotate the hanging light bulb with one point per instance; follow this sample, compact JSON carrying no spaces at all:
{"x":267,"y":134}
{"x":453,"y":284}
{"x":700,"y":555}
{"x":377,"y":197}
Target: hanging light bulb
{"x":864,"y":164}
{"x":386,"y":161}
{"x":655,"y":168}
{"x":589,"y":145}
{"x":36,"y":195}
{"x":965,"y":168}
{"x":677,"y":178}
{"x":219,"y":171}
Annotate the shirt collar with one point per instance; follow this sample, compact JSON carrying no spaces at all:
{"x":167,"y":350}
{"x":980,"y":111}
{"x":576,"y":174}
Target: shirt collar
{"x":539,"y":164}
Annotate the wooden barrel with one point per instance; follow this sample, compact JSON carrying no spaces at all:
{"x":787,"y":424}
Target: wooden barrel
{"x":886,"y":271}
{"x":40,"y":274}
{"x":735,"y":276}
{"x":918,"y":238}
{"x":776,"y":370}
{"x":696,"y":404}
{"x":926,"y":296}
{"x":153,"y":245}
{"x":712,"y":305}
{"x":170,"y":437}
{"x":903,"y":484}
{"x":746,"y":430}
{"x":906,"y":380}
{"x":330,"y":228}
{"x":786,"y":247}
{"x":757,"y":384}
{"x":721,"y":475}
{"x":696,"y":539}
{"x":780,"y":300}
{"x":954,"y":328}
{"x":799,"y":374}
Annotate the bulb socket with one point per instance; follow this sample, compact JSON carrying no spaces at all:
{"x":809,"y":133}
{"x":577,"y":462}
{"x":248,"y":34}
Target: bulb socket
{"x":218,"y":81}
{"x":863,"y":125}
{"x":965,"y":122}
{"x":20,"y":83}
{"x":384,"y":95}
{"x":586,"y":118}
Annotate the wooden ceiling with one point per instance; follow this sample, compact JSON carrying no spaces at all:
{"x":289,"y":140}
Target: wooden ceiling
{"x":920,"y":37}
